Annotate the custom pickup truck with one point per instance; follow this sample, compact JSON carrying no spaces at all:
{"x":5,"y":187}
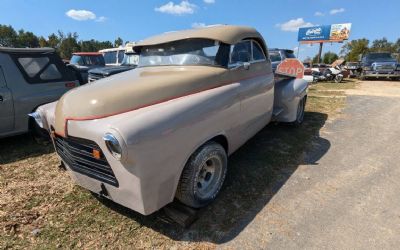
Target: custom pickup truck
{"x":165,"y":129}
{"x":379,"y":65}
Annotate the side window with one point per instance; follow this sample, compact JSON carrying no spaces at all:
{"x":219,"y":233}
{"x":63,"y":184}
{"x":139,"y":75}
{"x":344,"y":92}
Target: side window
{"x":110,"y":57}
{"x":240,"y":53}
{"x":33,"y":66}
{"x":50,"y":73}
{"x":2,"y":79}
{"x":121,"y":54}
{"x":258,"y":53}
{"x":38,"y":69}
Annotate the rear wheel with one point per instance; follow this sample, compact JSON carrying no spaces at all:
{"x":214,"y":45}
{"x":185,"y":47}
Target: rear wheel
{"x":300,"y":112}
{"x":203,"y":175}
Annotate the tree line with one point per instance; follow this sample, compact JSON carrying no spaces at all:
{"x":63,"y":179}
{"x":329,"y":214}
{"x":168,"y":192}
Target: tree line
{"x":352,"y":49}
{"x":64,"y":43}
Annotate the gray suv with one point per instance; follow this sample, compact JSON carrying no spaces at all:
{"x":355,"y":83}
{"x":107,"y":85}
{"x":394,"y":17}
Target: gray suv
{"x":29,"y":78}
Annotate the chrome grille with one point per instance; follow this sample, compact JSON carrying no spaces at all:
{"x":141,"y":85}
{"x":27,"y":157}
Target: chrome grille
{"x":78,"y":154}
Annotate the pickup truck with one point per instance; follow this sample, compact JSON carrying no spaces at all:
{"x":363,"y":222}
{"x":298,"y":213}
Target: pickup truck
{"x":29,"y":78}
{"x":379,"y":65}
{"x":82,"y":62}
{"x":165,"y":129}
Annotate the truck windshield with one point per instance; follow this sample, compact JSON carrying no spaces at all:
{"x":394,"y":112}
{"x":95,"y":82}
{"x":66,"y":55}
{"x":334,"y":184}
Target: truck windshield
{"x":374,"y":56}
{"x":185,"y":52}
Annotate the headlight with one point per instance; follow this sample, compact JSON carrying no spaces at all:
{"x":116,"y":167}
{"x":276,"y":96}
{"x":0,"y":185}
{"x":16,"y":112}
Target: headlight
{"x":367,"y":68}
{"x":38,"y":118}
{"x":113,"y":145}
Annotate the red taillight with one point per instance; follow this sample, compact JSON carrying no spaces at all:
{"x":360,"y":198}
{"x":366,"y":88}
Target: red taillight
{"x":70,"y":85}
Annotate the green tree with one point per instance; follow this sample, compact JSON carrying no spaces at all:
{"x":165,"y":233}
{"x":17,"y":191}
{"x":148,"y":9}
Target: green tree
{"x":353,"y":49}
{"x":43,"y":42}
{"x":383,"y":45}
{"x":329,"y":57}
{"x":69,"y":44}
{"x":53,"y":41}
{"x":8,"y":36}
{"x":118,"y":42}
{"x":27,"y":39}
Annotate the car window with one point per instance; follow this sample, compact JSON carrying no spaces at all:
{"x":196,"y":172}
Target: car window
{"x":32,"y":66}
{"x":50,"y":73}
{"x":2,"y":79}
{"x":275,"y":56}
{"x":289,"y":54}
{"x":240,"y":53}
{"x":42,"y":68}
{"x":110,"y":57}
{"x":121,"y":54}
{"x":258,"y":53}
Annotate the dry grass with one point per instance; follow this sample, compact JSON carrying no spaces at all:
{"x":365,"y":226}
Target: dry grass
{"x":40,"y":207}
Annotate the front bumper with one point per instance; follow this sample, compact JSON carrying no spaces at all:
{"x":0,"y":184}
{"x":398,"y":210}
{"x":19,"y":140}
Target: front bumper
{"x":382,"y":74}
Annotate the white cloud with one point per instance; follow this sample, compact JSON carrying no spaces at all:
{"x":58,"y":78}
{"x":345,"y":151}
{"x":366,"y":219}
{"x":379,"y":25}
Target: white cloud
{"x":81,"y":15}
{"x":101,"y":19}
{"x":209,"y":1}
{"x":177,"y":9}
{"x":294,"y":25}
{"x":336,"y":11}
{"x":198,"y":25}
{"x":319,"y":13}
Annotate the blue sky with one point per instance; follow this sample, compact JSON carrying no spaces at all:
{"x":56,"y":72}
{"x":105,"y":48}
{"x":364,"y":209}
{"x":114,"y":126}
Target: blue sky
{"x":134,"y":20}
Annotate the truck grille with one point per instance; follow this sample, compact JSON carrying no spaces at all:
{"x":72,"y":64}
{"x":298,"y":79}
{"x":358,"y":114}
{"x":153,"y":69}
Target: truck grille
{"x":78,"y":154}
{"x":384,"y":67}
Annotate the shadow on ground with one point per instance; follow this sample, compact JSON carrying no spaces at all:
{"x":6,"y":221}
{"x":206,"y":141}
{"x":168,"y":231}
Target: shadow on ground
{"x":256,"y":173}
{"x":21,"y":147}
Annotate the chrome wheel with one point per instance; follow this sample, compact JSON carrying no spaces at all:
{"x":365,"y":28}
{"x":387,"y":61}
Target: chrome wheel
{"x":207,"y":182}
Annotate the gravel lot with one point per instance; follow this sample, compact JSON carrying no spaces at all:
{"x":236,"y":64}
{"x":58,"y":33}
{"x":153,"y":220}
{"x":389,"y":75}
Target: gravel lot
{"x":348,"y":197}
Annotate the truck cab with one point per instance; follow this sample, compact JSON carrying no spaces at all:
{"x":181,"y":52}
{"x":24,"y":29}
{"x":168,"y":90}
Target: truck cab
{"x":113,"y":56}
{"x":29,"y":78}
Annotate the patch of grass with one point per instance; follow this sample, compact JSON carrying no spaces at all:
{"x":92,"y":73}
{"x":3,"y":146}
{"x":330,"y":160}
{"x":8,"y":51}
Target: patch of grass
{"x":37,"y":195}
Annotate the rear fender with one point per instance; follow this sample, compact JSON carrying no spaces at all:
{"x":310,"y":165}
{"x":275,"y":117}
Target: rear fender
{"x":288,"y":93}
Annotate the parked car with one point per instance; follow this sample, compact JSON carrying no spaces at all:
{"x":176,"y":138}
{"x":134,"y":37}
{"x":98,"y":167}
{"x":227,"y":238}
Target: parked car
{"x":354,"y":68}
{"x":165,"y":130}
{"x":29,"y":78}
{"x":130,"y":62}
{"x":379,"y":65}
{"x":82,"y":62}
{"x":113,"y":56}
{"x":279,"y":55}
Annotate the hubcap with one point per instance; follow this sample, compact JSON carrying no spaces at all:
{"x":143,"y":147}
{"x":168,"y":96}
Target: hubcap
{"x":208,"y":178}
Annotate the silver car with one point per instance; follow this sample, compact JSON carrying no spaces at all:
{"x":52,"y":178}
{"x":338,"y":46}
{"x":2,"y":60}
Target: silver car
{"x":29,"y":78}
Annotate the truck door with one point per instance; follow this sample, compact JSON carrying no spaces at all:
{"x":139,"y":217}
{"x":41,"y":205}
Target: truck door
{"x":252,"y":68}
{"x":6,"y":106}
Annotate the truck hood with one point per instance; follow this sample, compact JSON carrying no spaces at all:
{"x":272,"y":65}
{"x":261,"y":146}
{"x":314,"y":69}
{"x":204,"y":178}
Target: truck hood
{"x":111,"y":70}
{"x":135,"y":89}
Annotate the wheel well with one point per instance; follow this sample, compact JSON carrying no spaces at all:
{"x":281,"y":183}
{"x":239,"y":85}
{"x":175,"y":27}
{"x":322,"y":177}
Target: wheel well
{"x":221,"y":139}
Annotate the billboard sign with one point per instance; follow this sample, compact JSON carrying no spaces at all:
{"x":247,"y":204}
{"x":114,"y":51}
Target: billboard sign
{"x":325,"y":33}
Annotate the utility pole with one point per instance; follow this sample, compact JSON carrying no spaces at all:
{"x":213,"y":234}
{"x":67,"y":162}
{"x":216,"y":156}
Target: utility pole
{"x":320,"y":52}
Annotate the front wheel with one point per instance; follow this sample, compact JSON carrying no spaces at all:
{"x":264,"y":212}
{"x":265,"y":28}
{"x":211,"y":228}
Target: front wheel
{"x":338,"y":78}
{"x":203,"y":176}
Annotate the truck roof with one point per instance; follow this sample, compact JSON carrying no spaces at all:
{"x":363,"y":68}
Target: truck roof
{"x":87,"y":53}
{"x":112,"y":49}
{"x":276,"y":49}
{"x":26,"y":50}
{"x":229,"y":34}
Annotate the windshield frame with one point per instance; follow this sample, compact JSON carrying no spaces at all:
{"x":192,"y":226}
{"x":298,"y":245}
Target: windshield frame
{"x":220,"y":61}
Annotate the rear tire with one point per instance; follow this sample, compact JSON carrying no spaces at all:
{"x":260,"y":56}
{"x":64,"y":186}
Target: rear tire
{"x":300,"y":112}
{"x":203,"y":176}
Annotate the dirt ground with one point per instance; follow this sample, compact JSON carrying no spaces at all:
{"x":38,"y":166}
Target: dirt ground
{"x":346,"y":195}
{"x":329,"y":184}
